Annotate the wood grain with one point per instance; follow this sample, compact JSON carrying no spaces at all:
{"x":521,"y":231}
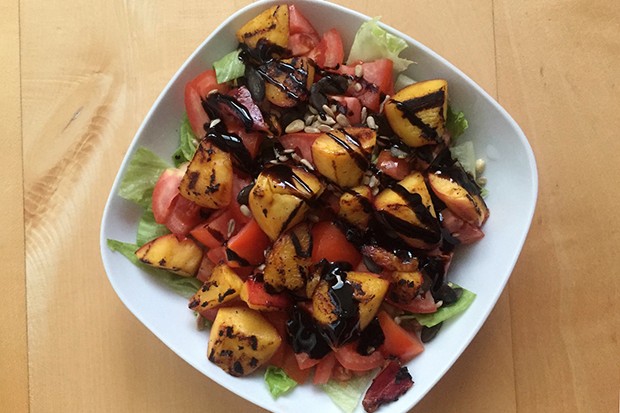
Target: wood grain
{"x":557,"y":80}
{"x":13,"y":329}
{"x":90,"y":70}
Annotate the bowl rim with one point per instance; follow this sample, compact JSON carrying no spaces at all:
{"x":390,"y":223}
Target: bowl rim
{"x":532,"y":168}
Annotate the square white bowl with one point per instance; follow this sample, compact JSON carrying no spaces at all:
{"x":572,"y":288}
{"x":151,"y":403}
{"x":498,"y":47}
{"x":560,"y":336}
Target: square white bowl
{"x":483,"y":268}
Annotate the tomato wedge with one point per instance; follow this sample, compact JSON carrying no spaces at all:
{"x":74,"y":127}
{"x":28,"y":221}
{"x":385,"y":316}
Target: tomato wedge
{"x":323,"y":371}
{"x":329,"y":242}
{"x":166,"y":189}
{"x":195,"y":91}
{"x":247,"y":246}
{"x":392,"y":166}
{"x":288,"y":362}
{"x":305,"y":362}
{"x":302,"y":35}
{"x":214,"y":232}
{"x":398,"y":341}
{"x":184,"y":215}
{"x":330,"y":51}
{"x":300,"y":141}
{"x":349,"y":358}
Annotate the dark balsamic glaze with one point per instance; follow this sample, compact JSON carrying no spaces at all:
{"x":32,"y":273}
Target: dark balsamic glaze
{"x":371,"y":338}
{"x":411,"y":107}
{"x":300,"y":251}
{"x":305,"y":336}
{"x":346,"y":308}
{"x":232,"y":143}
{"x":445,"y":166}
{"x":233,"y":256}
{"x":287,"y":177}
{"x":353,"y":148}
{"x":216,"y":102}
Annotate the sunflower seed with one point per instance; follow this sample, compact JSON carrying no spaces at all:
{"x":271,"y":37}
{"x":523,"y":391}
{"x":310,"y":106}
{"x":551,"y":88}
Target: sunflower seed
{"x":295,"y":126}
{"x":214,"y":122}
{"x":287,"y":151}
{"x":283,"y":158}
{"x":324,"y":128}
{"x":307,"y":164}
{"x":370,"y":121}
{"x":359,"y":70}
{"x":231,"y":228}
{"x":328,"y":121}
{"x":313,"y":110}
{"x":375,"y":191}
{"x":480,"y":165}
{"x":482,"y":181}
{"x":342,"y":120}
{"x":245,"y":210}
{"x":328,"y":111}
{"x":357,"y":87}
{"x":373,"y":181}
{"x":311,"y":129}
{"x":310,"y":119}
{"x":383,"y":103}
{"x":364,"y":114}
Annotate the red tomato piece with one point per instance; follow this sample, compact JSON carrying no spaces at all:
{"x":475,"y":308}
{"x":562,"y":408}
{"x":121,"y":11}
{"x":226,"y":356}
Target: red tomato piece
{"x":239,"y":182}
{"x":352,"y":108}
{"x":206,"y":269}
{"x":166,"y":189}
{"x":243,"y":96}
{"x":217,"y":255}
{"x":195,"y":91}
{"x":329,"y":242}
{"x":459,"y":229}
{"x":380,"y":73}
{"x":288,"y":363}
{"x":305,"y":362}
{"x":214,"y":232}
{"x":251,"y":140}
{"x":259,"y":297}
{"x":297,"y":23}
{"x":419,"y":305}
{"x":349,"y":358}
{"x":247,"y":247}
{"x":184,"y":215}
{"x":329,"y":53}
{"x":392,"y":166}
{"x":300,"y":141}
{"x":323,"y":371}
{"x":398,"y":341}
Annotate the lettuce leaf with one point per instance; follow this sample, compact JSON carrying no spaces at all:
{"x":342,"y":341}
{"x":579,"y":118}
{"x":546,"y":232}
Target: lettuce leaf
{"x":372,"y":42}
{"x":465,"y":154}
{"x":229,"y":67}
{"x":184,"y":286}
{"x":187,"y":144}
{"x":402,"y":81}
{"x":444,"y":313}
{"x":278,"y":381}
{"x":456,"y":123}
{"x":141,"y":176}
{"x":346,"y":395}
{"x":148,"y":229}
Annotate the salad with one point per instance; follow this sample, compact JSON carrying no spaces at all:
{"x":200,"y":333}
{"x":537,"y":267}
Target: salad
{"x":314,"y":209}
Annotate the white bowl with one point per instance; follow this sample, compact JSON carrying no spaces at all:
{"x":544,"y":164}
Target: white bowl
{"x":483,"y":268}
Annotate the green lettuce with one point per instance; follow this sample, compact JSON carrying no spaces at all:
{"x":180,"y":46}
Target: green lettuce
{"x":372,"y":42}
{"x":187,"y":144}
{"x":229,"y":67}
{"x":141,"y":176}
{"x":465,"y":154}
{"x":148,"y":229}
{"x":446,"y":312}
{"x":456,"y":123}
{"x":346,"y":395}
{"x":278,"y":381}
{"x":185,"y":286}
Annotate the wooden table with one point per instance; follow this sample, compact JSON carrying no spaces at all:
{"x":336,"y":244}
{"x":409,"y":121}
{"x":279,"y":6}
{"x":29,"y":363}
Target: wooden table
{"x":78,"y":77}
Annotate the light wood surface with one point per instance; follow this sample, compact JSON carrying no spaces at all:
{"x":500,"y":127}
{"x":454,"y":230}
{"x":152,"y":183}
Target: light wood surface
{"x":78,"y":77}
